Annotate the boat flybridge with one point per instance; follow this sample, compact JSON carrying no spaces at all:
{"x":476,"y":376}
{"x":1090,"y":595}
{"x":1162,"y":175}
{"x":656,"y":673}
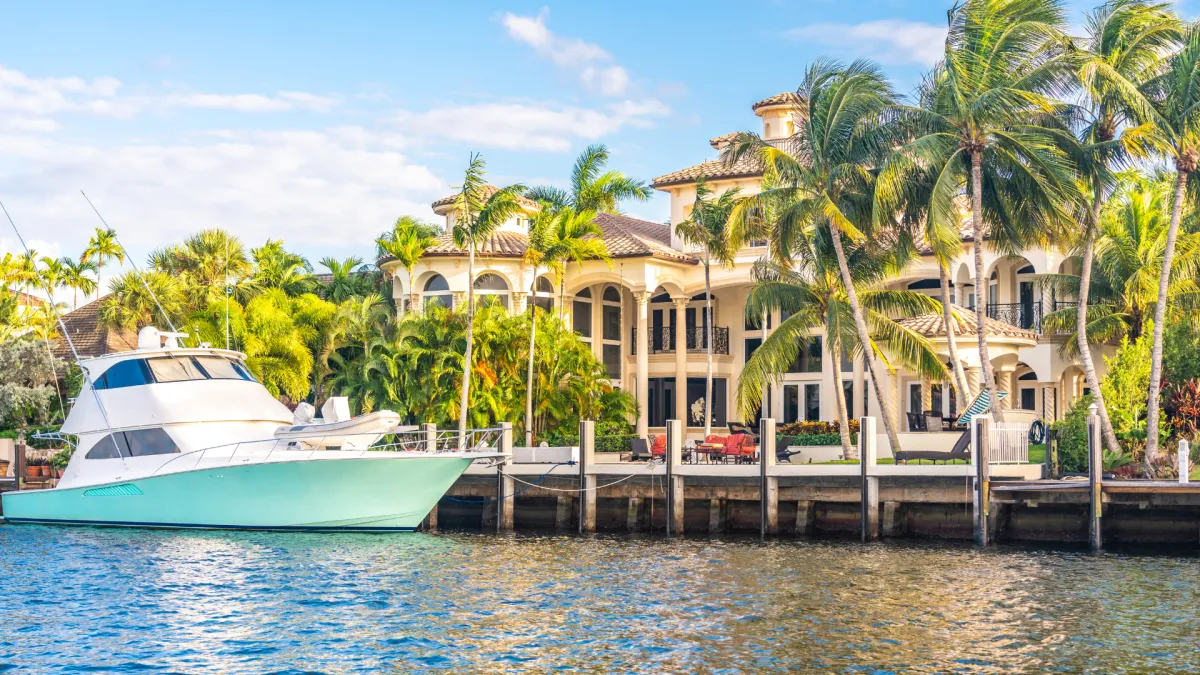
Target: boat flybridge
{"x":170,"y":436}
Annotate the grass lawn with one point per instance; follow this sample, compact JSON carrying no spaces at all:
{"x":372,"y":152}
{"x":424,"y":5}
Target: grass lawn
{"x":1037,"y":455}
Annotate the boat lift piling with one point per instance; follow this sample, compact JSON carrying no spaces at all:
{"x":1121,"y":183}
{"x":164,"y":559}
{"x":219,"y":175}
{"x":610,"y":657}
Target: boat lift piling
{"x":1095,"y":481}
{"x":587,"y":482}
{"x":505,"y":486}
{"x":867,"y":452}
{"x":675,"y":503}
{"x":980,"y":435}
{"x":19,"y":463}
{"x":768,"y":487}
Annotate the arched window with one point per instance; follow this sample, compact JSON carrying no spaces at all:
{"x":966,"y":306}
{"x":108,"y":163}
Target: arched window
{"x":581,"y":314}
{"x":610,"y":319}
{"x":492,"y":286}
{"x":543,"y":294}
{"x":994,"y":288}
{"x":437,"y":291}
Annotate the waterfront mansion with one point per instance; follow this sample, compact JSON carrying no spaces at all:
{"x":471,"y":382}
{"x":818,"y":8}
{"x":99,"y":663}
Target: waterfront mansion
{"x":644,"y":316}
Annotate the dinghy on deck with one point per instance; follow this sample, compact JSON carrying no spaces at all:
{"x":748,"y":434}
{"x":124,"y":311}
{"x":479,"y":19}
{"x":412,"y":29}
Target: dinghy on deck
{"x":336,"y":429}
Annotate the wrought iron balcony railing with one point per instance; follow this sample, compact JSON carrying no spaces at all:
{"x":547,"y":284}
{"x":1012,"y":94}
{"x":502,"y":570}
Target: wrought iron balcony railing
{"x":1027,"y":315}
{"x":662,"y":340}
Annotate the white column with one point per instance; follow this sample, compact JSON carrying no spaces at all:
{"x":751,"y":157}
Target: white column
{"x":681,"y":361}
{"x":829,"y":376}
{"x":568,"y":307}
{"x":520,"y":301}
{"x":641,"y":300}
{"x":859,"y":384}
{"x":1006,"y":384}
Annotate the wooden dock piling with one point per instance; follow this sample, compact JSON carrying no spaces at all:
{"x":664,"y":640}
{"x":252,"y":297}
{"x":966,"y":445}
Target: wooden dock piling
{"x":870,"y":484}
{"x":19,"y":463}
{"x":587,"y":482}
{"x":674,"y":480}
{"x":768,"y":485}
{"x":980,"y":434}
{"x":1095,"y":481}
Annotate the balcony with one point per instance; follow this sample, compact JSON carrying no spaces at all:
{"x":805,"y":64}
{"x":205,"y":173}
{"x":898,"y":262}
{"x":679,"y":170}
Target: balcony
{"x":662,"y":340}
{"x":1026,"y":315}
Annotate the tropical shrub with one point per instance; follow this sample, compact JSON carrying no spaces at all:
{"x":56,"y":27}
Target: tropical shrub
{"x":1071,"y":432}
{"x":27,"y":383}
{"x":825,"y":438}
{"x":815,"y":427}
{"x":416,"y":370}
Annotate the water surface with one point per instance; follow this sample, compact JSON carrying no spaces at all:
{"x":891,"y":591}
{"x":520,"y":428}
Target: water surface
{"x":95,"y":600}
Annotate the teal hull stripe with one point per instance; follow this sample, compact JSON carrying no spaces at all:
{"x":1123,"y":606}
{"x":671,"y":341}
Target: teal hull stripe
{"x":180,"y":526}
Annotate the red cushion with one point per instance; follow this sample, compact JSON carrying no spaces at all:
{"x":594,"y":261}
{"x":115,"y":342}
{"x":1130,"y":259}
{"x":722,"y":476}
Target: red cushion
{"x":659,"y":446}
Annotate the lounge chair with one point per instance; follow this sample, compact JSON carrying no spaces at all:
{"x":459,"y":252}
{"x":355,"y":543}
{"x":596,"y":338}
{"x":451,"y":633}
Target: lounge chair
{"x":961,"y":450}
{"x":739,"y":428}
{"x":783,"y":451}
{"x":640,"y":450}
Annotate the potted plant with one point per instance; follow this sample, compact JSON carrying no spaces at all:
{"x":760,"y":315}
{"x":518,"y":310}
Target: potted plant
{"x":33,"y":467}
{"x":58,"y":463}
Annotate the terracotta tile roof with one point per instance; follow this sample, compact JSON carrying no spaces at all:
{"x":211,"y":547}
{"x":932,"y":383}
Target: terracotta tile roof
{"x":720,"y":142}
{"x":625,"y":237}
{"x":27,"y":299}
{"x":91,"y":338}
{"x":746,"y":166}
{"x":930,"y":326}
{"x":500,"y":245}
{"x":780,"y":99}
{"x":442,"y":206}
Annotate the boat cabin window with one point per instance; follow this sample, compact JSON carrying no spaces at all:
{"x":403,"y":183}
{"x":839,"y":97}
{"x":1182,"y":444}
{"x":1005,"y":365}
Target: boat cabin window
{"x":175,"y":369}
{"x":136,"y":372}
{"x":125,"y":374}
{"x":135,"y":443}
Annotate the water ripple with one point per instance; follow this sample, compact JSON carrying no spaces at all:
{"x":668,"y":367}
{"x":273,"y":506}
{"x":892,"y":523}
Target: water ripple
{"x":117,"y":601}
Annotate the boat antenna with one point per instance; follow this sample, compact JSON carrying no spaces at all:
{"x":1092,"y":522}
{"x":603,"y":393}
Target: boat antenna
{"x":227,"y":292}
{"x":136,"y":270}
{"x":66,"y":334}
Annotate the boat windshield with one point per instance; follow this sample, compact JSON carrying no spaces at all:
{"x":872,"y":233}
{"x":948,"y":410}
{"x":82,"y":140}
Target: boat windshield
{"x":133,"y":443}
{"x":134,"y":372}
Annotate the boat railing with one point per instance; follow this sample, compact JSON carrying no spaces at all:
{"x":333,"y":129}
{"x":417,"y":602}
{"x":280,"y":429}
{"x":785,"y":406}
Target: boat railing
{"x":401,"y":439}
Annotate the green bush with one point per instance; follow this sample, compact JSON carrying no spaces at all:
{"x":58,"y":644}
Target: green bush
{"x":828,"y":438}
{"x":32,"y":442}
{"x":619,"y":443}
{"x":1072,"y":437}
{"x":612,"y":436}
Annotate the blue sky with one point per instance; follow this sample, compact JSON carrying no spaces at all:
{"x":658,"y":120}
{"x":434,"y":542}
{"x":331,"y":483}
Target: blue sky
{"x":320,"y":123}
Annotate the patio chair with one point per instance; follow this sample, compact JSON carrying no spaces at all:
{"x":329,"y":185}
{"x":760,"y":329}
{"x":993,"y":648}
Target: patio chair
{"x":659,"y":447}
{"x":933,"y":420}
{"x":640,"y":450}
{"x":961,"y":450}
{"x":915,"y":423}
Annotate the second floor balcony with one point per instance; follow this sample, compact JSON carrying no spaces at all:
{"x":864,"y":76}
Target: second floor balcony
{"x":1026,"y":315}
{"x":662,"y":340}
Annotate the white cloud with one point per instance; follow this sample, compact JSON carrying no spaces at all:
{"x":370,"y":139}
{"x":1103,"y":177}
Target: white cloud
{"x":891,"y":41}
{"x":336,"y":187}
{"x":529,"y":125}
{"x":40,"y":98}
{"x":595,"y":67}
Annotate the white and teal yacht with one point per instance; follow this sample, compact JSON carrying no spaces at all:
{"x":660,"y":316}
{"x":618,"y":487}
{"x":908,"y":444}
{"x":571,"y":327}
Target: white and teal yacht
{"x":186,"y":437}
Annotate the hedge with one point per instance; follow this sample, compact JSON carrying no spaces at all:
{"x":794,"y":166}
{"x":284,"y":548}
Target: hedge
{"x":829,"y":438}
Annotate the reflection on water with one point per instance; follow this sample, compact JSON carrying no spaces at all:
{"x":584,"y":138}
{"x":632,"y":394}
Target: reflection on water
{"x":127,"y":600}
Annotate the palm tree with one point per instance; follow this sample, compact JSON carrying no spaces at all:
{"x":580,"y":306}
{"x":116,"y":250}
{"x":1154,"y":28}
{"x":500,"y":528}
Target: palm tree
{"x":986,"y":126}
{"x":406,"y":243}
{"x":1128,"y":261}
{"x":1175,"y":112}
{"x":592,"y":188}
{"x":276,"y":267}
{"x":825,"y":180}
{"x":557,"y":238}
{"x":75,"y":276}
{"x":101,"y":248}
{"x":210,"y":264}
{"x":1124,"y":48}
{"x":708,"y":229}
{"x":478,"y":217}
{"x":809,"y":288}
{"x":347,"y":280}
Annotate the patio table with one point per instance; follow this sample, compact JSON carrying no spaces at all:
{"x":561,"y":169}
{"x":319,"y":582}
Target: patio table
{"x":710,"y":450}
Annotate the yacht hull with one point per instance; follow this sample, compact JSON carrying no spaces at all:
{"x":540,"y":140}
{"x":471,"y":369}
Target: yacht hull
{"x":359,"y":494}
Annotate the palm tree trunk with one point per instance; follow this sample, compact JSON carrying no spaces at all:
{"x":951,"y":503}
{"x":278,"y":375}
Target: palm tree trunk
{"x":466,"y":383}
{"x":708,"y":333}
{"x":1160,"y":316}
{"x":529,"y":375}
{"x":848,"y":450}
{"x":1085,"y":353}
{"x":960,"y":376}
{"x":864,"y":337}
{"x":988,"y":384}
